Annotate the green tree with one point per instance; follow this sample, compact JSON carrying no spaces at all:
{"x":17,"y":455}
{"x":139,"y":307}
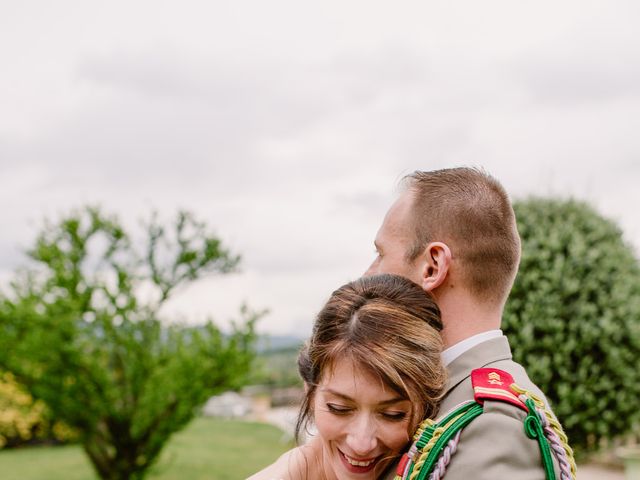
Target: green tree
{"x":81,"y":329}
{"x":573,"y":317}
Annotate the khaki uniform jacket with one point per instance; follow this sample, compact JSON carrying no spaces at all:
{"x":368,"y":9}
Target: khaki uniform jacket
{"x":493,"y":446}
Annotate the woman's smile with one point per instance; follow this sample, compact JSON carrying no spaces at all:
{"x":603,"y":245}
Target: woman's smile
{"x":355,"y":465}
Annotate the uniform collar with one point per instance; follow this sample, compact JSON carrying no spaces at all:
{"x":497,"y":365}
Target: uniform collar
{"x":454,"y":351}
{"x":478,"y":356}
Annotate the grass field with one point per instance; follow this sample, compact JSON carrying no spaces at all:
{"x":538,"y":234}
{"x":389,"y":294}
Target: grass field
{"x":207,"y":449}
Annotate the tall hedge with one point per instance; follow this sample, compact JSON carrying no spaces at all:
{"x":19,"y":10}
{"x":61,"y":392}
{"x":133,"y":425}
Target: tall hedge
{"x":573,"y":318}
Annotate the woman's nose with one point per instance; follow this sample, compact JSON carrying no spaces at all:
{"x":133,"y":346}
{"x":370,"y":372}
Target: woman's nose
{"x":362,"y":438}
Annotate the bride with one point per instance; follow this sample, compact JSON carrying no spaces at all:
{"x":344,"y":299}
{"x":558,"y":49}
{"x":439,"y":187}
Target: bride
{"x":372,"y":371}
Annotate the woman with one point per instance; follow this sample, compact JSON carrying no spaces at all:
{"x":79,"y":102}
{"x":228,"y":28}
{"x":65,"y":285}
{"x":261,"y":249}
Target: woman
{"x":372,"y":372}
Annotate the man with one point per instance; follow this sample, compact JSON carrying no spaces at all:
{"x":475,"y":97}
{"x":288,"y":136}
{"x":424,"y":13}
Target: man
{"x":454,"y":232}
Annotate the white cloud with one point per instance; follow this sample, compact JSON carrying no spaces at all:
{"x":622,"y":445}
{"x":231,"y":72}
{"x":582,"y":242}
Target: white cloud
{"x":286,"y":125}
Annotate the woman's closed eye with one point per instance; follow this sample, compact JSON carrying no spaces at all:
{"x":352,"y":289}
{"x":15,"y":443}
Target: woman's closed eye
{"x":338,"y":409}
{"x":393,"y":415}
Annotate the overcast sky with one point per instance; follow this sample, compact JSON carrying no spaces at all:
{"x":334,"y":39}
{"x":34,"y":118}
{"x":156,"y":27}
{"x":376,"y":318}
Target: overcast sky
{"x":286,"y":124}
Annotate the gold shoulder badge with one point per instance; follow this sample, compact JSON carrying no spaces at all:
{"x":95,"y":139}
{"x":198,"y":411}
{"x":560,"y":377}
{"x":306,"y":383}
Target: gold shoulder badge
{"x":494,"y":384}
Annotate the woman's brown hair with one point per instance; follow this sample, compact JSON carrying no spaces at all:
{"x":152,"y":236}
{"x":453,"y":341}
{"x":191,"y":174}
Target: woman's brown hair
{"x":389,"y":326}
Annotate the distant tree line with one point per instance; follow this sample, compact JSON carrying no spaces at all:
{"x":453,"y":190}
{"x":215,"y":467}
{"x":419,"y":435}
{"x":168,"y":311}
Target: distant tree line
{"x":277,"y":368}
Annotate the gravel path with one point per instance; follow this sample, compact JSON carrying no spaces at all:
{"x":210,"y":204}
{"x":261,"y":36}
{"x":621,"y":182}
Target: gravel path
{"x":597,"y":472}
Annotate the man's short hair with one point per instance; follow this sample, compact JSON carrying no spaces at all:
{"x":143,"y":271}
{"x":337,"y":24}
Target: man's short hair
{"x":467,"y":209}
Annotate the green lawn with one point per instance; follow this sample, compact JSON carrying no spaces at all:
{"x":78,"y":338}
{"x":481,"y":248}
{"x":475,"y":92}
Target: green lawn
{"x":207,"y":449}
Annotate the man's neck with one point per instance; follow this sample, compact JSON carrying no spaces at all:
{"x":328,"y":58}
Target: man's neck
{"x":463,"y":320}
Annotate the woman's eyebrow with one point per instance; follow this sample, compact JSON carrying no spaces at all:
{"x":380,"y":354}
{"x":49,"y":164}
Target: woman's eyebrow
{"x":349,"y":399}
{"x":337,"y":394}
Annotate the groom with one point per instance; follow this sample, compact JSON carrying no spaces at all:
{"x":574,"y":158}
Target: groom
{"x":454,"y":232}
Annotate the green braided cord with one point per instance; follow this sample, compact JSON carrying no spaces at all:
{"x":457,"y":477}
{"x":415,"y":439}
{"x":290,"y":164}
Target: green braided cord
{"x":426,"y":442}
{"x":533,"y":429}
{"x":461,"y":408}
{"x":430,"y":429}
{"x":430,"y":435}
{"x":426,"y":436}
{"x":472,"y":411}
{"x":554,"y":423}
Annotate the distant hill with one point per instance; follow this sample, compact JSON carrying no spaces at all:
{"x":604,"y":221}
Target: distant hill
{"x":276,"y":364}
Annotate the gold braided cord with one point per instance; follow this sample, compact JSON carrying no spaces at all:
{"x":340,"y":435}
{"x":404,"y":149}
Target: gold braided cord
{"x":553,"y":423}
{"x":428,"y":422}
{"x":424,"y":453}
{"x":422,"y":427}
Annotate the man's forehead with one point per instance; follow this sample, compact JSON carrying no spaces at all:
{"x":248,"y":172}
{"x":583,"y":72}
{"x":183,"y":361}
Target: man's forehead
{"x":397,"y":218}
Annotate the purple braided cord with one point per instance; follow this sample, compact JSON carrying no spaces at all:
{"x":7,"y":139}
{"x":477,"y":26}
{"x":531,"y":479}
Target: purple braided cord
{"x":445,"y":458}
{"x":556,"y":446}
{"x":554,"y":443}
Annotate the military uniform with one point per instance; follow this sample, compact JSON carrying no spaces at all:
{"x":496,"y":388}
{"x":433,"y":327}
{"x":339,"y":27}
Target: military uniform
{"x":494,"y":444}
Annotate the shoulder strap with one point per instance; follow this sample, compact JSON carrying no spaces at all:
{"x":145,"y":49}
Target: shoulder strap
{"x":498,"y":385}
{"x":494,"y":384}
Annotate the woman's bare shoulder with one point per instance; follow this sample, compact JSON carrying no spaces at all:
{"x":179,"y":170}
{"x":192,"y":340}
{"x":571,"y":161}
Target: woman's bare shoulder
{"x":292,"y":465}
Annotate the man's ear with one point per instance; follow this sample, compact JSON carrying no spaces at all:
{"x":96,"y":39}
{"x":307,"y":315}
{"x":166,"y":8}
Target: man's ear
{"x":437,"y":258}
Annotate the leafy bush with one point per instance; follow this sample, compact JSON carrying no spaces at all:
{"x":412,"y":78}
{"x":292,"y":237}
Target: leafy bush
{"x":25,"y":420}
{"x":573,"y":318}
{"x":81,"y":329}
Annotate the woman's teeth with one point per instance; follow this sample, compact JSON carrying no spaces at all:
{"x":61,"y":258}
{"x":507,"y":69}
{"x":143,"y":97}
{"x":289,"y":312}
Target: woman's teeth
{"x":357,"y":463}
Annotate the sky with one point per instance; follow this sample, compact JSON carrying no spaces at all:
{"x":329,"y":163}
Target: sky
{"x":286,"y":125}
